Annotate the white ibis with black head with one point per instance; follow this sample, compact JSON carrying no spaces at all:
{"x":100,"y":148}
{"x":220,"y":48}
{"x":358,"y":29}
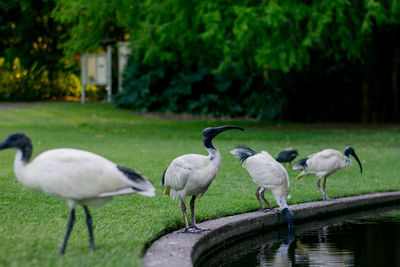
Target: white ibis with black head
{"x":324,"y":163}
{"x":268,"y":174}
{"x":75,"y":176}
{"x":287,"y":155}
{"x":192,"y":174}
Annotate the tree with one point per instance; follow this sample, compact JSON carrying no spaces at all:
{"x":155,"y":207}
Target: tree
{"x":213,"y":56}
{"x":31,"y":63}
{"x":91,"y":22}
{"x":30,"y":33}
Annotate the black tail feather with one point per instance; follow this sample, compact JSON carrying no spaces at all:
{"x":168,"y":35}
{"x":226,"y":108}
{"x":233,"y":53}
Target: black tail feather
{"x":163,"y":177}
{"x":131,"y":174}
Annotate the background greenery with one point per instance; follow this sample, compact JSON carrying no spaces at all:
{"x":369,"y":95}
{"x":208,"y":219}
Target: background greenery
{"x":32,"y":224}
{"x":278,"y":60}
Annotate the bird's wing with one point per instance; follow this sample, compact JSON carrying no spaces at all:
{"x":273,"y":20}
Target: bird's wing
{"x":324,"y":160}
{"x":326,"y":153}
{"x":181,"y":168}
{"x":266,"y":155}
{"x":77,"y":174}
{"x":265,"y":170}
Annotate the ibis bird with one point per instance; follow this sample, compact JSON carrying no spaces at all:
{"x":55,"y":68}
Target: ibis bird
{"x":268,"y":174}
{"x":287,"y":156}
{"x":192,"y":174}
{"x":75,"y":176}
{"x":324,"y":163}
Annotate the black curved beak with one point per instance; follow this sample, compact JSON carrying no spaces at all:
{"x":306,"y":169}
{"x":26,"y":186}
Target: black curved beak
{"x":289,"y":218}
{"x":4,"y":144}
{"x":211,"y":132}
{"x":359,"y":162}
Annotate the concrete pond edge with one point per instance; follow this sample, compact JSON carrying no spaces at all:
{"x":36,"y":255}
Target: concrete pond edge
{"x":177,"y":249}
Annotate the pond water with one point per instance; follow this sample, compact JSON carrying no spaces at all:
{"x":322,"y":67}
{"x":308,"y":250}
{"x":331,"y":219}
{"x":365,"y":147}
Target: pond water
{"x":369,"y":238}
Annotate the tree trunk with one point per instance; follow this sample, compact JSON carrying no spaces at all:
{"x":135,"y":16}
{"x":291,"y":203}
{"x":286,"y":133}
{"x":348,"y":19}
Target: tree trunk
{"x":365,"y":112}
{"x":395,"y":79}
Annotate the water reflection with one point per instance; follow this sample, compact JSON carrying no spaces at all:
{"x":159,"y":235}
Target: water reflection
{"x":360,"y":239}
{"x":321,"y":252}
{"x":281,"y":256}
{"x":292,"y":252}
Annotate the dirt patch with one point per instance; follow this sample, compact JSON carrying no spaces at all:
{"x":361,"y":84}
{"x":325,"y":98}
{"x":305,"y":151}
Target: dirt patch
{"x":187,"y":117}
{"x":345,"y":126}
{"x":5,"y":106}
{"x":332,"y":126}
{"x":267,"y":126}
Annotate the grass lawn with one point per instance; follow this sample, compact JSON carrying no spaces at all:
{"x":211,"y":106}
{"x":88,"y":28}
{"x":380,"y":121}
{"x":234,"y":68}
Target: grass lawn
{"x":32,"y":225}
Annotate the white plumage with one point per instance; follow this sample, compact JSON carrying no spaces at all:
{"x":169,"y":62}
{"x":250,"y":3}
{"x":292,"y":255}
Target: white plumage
{"x":324,"y":163}
{"x":76,"y":176}
{"x":268,"y":174}
{"x":192,"y":174}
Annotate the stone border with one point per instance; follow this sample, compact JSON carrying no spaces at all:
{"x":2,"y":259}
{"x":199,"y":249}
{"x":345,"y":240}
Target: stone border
{"x":176,"y":249}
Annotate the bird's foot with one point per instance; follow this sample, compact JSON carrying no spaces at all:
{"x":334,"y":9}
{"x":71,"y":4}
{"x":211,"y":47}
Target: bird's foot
{"x":266,"y":210}
{"x":199,"y":228}
{"x":61,"y":251}
{"x":269,"y":210}
{"x":327,"y":198}
{"x":194,"y":230}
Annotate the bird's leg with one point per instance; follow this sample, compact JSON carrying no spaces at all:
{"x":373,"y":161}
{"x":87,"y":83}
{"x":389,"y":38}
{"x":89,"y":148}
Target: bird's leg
{"x":90,"y":227}
{"x":193,"y":225}
{"x":319,"y":187}
{"x":68,"y":232}
{"x":258,"y":198}
{"x":325,"y":197}
{"x":266,"y":201}
{"x":324,"y":187}
{"x":183,"y":207}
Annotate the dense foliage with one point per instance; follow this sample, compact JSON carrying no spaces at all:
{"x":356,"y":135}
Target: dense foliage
{"x":31,"y":61}
{"x":291,"y":60}
{"x":268,"y":59}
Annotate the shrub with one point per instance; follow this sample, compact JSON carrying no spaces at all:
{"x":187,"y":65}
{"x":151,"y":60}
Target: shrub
{"x":20,"y":84}
{"x":199,"y":91}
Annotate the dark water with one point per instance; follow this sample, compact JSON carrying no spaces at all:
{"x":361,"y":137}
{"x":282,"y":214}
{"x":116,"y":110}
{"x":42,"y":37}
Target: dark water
{"x":362,"y":239}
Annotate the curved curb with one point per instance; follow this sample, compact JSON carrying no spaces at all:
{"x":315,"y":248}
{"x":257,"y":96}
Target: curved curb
{"x":176,"y":249}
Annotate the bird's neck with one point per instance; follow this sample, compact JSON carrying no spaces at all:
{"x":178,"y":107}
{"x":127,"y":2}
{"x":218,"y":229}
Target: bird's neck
{"x":207,"y":143}
{"x":214,"y":155}
{"x":25,"y":151}
{"x":20,"y":169}
{"x":281,"y":200}
{"x":19,"y":165}
{"x":212,"y":151}
{"x":347,"y":160}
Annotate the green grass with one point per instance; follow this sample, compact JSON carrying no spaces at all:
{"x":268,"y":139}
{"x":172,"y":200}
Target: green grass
{"x":32,"y":224}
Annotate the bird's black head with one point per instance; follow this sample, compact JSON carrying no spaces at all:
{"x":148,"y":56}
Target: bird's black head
{"x":210,"y":132}
{"x":350,"y":151}
{"x":19,"y":141}
{"x":289,"y":218}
